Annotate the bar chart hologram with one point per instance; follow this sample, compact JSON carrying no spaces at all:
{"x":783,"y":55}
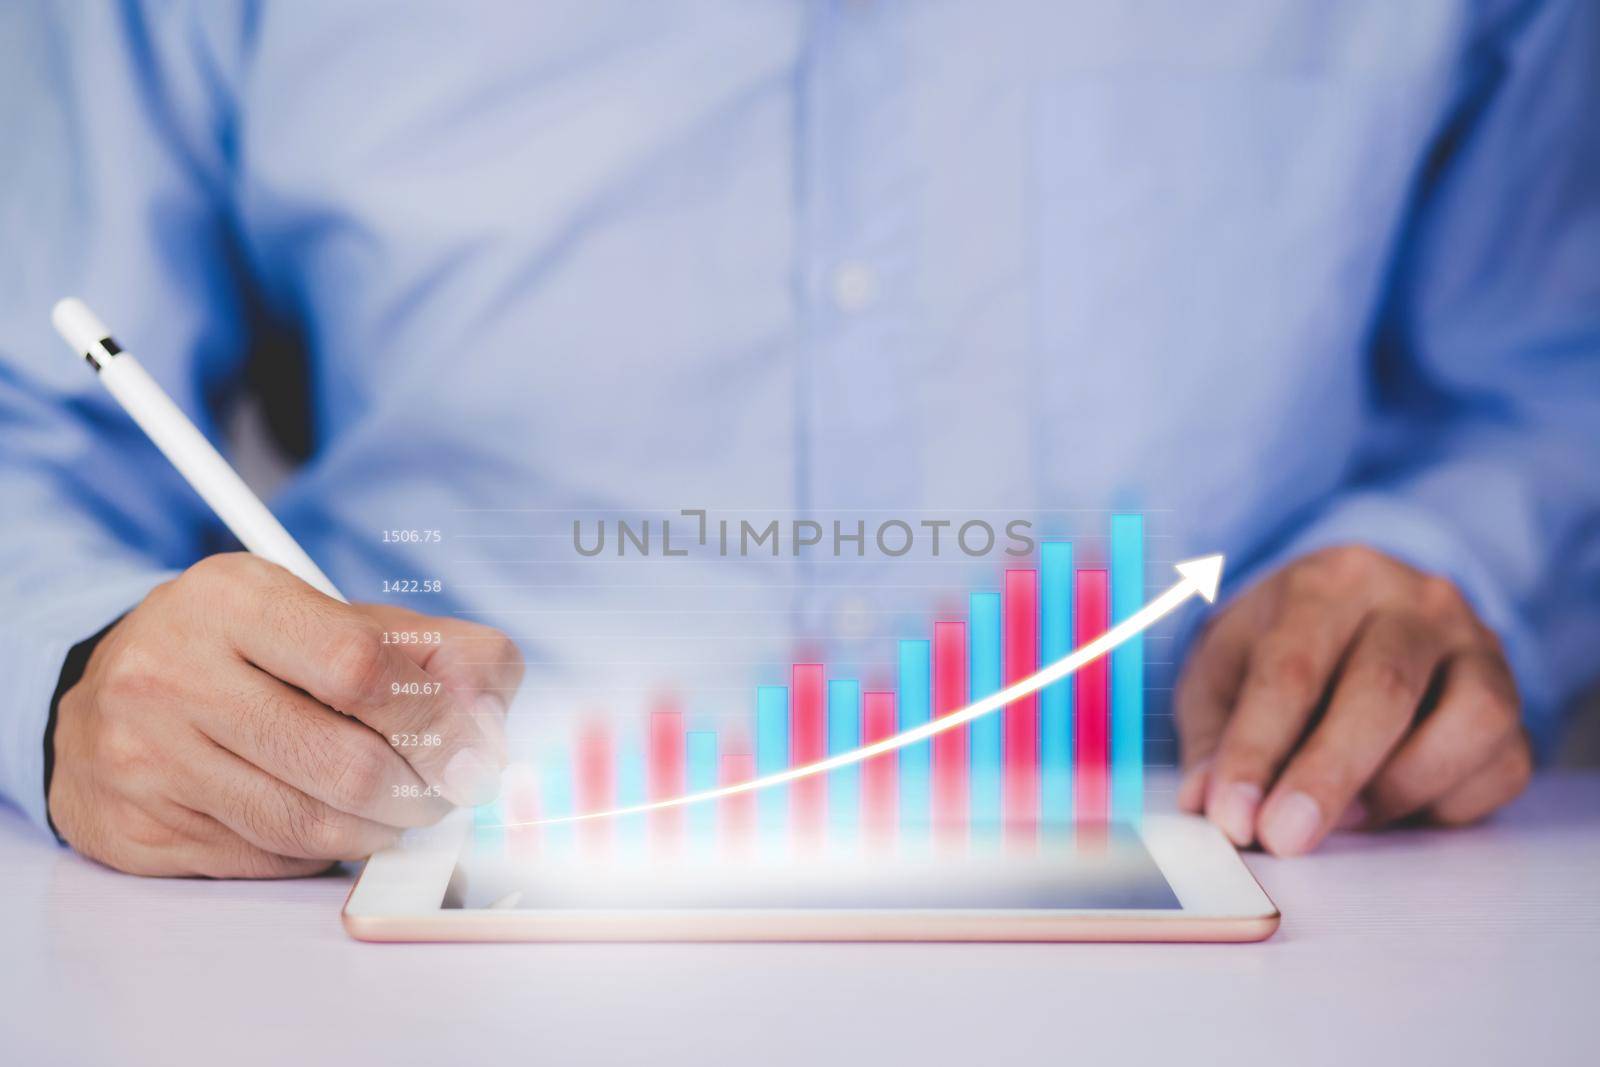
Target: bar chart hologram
{"x":1067,"y":756}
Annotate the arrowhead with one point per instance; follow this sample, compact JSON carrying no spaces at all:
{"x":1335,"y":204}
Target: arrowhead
{"x":1204,"y":574}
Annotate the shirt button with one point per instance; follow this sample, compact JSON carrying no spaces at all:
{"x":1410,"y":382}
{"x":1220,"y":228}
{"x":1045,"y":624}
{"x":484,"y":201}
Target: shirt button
{"x":855,"y":287}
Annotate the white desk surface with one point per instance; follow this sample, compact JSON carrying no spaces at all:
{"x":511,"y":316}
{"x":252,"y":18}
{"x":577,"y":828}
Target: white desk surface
{"x":1435,"y":947}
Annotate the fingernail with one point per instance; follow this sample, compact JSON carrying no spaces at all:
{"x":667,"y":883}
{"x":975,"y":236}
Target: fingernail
{"x":470,"y":780}
{"x":1354,"y":817}
{"x":1291,"y":824}
{"x":1192,"y":789}
{"x":1233,"y":807}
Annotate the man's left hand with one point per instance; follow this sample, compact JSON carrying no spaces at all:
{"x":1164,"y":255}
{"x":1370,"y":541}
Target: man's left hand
{"x":1347,"y":689}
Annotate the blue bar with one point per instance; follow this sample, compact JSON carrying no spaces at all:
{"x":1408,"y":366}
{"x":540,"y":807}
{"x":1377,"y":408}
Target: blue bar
{"x":556,"y":798}
{"x":985,"y":747}
{"x":916,"y":761}
{"x":488,"y":826}
{"x":632,"y":830}
{"x":1127,"y":671}
{"x":772,"y":756}
{"x":700,"y":752}
{"x":844,"y":784}
{"x":1055,"y":702}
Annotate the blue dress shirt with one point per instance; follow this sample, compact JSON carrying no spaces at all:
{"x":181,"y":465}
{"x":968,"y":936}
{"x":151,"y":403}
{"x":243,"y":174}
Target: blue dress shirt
{"x":1278,"y":275}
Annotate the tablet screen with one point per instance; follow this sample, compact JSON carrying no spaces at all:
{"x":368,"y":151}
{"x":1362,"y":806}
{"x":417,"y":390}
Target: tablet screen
{"x":1112,"y":870}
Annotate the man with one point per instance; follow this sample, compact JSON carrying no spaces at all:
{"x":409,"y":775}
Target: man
{"x":1322,"y":280}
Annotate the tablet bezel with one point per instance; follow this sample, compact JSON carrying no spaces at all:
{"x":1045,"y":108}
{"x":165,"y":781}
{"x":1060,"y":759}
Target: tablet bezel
{"x":398,"y":895}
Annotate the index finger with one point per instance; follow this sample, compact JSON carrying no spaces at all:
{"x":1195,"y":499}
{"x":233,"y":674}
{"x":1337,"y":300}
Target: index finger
{"x":1287,"y":672}
{"x":467,"y":656}
{"x":1205,"y":692}
{"x":336,"y":654}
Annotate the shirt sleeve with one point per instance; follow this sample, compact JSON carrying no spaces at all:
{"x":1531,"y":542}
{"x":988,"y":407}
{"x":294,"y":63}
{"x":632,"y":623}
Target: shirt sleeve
{"x":1486,"y":463}
{"x":116,"y":194}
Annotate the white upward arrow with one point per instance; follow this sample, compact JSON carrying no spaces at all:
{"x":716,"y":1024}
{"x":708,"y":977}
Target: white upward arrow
{"x":1197,"y":577}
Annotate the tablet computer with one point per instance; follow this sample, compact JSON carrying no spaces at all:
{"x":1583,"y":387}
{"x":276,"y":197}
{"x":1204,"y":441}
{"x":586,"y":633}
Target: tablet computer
{"x":1172,"y":878}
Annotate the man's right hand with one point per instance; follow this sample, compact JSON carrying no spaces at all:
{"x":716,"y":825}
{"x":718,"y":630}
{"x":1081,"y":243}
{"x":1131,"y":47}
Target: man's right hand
{"x":239,"y":724}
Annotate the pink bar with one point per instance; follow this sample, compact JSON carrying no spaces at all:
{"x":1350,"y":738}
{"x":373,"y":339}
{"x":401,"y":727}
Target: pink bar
{"x":596,"y":785}
{"x":666,"y":773}
{"x":950,"y":747}
{"x":807,"y":744}
{"x":738,"y":812}
{"x":1091,"y":618}
{"x":879,"y":782}
{"x":1020,"y":651}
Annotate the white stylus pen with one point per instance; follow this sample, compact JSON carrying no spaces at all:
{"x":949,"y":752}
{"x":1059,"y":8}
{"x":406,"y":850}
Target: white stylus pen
{"x":218,"y":484}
